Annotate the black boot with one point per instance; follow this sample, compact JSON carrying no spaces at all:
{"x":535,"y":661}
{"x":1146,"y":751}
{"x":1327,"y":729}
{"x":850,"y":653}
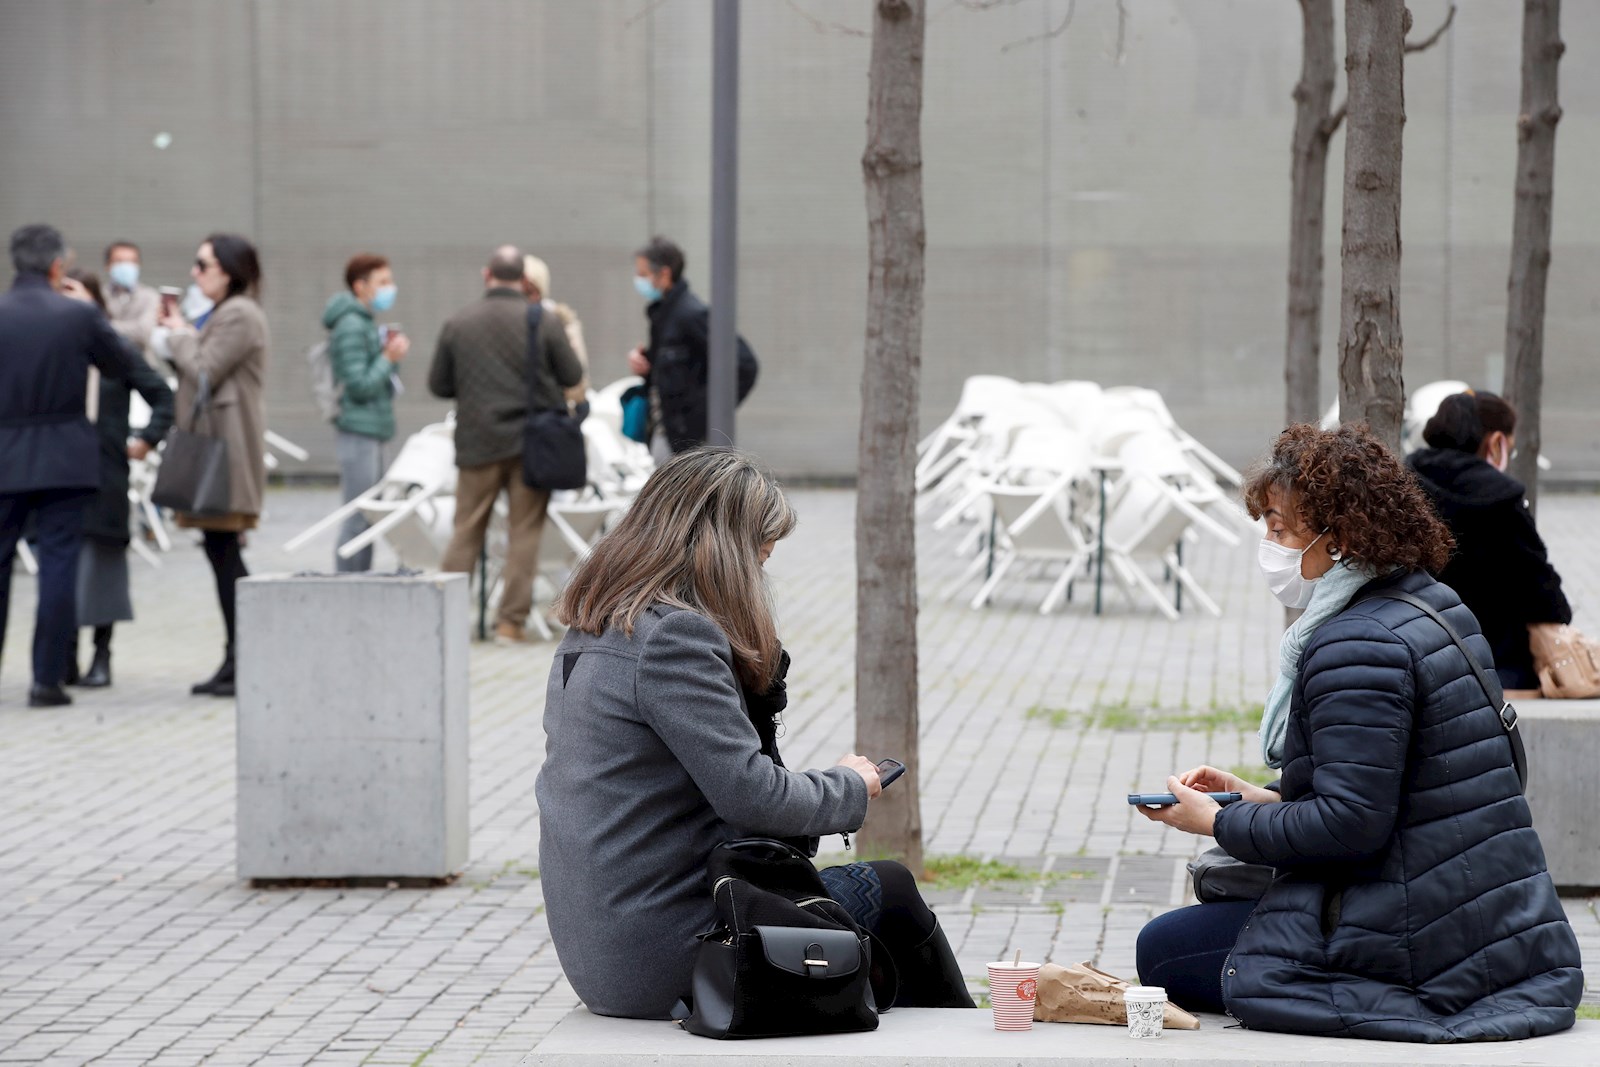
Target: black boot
{"x":48,"y":696}
{"x":219,"y":684}
{"x":930,"y":977}
{"x":99,"y":674}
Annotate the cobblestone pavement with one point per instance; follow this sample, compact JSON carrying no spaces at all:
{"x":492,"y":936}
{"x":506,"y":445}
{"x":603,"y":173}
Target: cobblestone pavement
{"x":125,"y":937}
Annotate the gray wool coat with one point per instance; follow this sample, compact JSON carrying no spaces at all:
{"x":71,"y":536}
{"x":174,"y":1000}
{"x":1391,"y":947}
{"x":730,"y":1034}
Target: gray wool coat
{"x":650,"y":762}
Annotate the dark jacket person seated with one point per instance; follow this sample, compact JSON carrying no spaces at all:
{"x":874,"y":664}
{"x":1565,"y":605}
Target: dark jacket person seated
{"x":1500,"y":567}
{"x":1411,"y":900}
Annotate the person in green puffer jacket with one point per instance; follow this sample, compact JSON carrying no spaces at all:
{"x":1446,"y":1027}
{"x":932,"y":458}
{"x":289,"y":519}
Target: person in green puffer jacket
{"x":364,"y":368}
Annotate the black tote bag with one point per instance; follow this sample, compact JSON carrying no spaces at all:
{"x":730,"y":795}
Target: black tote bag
{"x":193,"y":476}
{"x":553,"y":454}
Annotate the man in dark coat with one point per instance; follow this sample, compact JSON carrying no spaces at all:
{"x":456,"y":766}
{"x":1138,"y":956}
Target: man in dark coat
{"x":49,"y":464}
{"x":675,"y":364}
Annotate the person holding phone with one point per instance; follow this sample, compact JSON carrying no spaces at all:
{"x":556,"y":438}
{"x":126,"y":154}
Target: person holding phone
{"x":364,"y":367}
{"x":230,"y":354}
{"x":1410,"y":900}
{"x":661,"y":726}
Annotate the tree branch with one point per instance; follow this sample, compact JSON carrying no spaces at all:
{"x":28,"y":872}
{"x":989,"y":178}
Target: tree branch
{"x":1335,"y":118}
{"x":1433,"y":38}
{"x":824,"y":27}
{"x":1072,"y":9}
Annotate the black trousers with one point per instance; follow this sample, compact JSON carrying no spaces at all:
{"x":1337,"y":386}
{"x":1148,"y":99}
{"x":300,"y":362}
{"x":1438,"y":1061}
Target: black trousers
{"x":58,"y":535}
{"x":225,"y":554}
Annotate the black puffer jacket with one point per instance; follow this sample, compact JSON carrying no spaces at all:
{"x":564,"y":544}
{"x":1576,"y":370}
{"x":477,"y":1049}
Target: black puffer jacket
{"x":1500,"y":567}
{"x":679,"y":355}
{"x":1412,"y":901}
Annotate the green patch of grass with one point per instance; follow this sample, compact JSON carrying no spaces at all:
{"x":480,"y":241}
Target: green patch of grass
{"x":961,"y":872}
{"x":983,"y":1001}
{"x":530,"y":873}
{"x":1056,"y":718}
{"x":1057,"y":907}
{"x":1075,"y":875}
{"x":418,"y":1061}
{"x":1117,"y":716}
{"x":1589,"y":1011}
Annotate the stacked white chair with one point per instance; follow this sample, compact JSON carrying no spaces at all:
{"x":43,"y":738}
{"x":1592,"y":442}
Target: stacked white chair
{"x":1029,"y":499}
{"x":1027,"y":465}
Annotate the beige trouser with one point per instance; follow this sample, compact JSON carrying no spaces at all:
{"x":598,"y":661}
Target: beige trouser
{"x":477,"y":488}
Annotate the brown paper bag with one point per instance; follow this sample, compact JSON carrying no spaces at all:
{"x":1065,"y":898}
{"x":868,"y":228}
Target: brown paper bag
{"x":1083,"y":993}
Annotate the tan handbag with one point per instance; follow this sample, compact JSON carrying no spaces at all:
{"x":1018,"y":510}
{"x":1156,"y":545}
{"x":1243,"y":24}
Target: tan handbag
{"x":1083,"y":993}
{"x":1568,"y":663}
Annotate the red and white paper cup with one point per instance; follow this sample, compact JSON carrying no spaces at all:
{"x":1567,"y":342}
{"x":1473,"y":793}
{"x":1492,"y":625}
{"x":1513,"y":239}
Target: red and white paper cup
{"x":1013,"y":989}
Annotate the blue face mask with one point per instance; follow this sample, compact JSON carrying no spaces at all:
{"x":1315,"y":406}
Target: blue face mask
{"x":384,"y":298}
{"x":124,"y":274}
{"x":642,"y":286}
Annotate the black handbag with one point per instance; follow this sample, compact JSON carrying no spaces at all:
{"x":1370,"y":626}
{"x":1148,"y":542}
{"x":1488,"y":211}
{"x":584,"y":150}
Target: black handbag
{"x":553,"y":453}
{"x":193,"y":476}
{"x":785,"y":959}
{"x":1219,"y":877}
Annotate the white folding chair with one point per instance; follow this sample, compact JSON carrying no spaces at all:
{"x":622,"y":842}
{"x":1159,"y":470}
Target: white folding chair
{"x":1077,"y":402}
{"x":424,"y":469}
{"x":1145,"y":525}
{"x":981,"y":395}
{"x":1150,"y":400}
{"x":1157,"y":454}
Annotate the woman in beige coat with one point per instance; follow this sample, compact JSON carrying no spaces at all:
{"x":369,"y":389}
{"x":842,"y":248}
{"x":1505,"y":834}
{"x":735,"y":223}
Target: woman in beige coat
{"x":230,"y":354}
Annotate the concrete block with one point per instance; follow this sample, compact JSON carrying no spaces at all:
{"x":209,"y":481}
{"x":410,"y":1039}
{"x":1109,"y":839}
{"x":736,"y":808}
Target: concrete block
{"x":352,"y":739}
{"x":1563,"y":742}
{"x":932,"y":1037}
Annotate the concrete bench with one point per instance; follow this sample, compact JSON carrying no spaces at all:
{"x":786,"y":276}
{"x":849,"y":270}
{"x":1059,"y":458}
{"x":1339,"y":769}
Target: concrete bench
{"x":1563,"y":742}
{"x":932,"y":1038}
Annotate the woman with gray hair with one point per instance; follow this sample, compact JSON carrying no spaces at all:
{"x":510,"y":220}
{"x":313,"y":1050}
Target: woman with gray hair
{"x":661,"y":743}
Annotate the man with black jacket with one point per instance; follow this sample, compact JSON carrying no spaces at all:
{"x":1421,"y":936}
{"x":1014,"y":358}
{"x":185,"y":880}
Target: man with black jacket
{"x":49,"y":452}
{"x":675,"y":364}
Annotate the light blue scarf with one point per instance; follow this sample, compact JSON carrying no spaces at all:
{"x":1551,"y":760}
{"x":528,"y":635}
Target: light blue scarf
{"x":1333,"y":592}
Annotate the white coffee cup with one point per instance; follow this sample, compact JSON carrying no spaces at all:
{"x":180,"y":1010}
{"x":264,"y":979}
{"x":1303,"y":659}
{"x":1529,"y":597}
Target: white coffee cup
{"x":1147,"y":1010}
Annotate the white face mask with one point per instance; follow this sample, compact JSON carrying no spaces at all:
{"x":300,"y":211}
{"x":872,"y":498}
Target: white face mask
{"x":1281,"y":565}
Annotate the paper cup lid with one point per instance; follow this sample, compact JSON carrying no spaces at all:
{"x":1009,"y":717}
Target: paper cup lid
{"x":1145,"y":992}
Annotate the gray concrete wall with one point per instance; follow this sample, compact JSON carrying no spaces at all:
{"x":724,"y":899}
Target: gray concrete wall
{"x":1095,"y":210}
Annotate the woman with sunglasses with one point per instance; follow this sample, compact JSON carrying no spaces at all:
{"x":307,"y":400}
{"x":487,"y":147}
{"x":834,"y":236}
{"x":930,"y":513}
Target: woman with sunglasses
{"x":227,"y":359}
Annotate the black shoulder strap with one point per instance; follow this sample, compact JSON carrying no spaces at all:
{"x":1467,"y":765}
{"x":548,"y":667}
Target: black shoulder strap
{"x":535,"y":316}
{"x":1491,"y":684}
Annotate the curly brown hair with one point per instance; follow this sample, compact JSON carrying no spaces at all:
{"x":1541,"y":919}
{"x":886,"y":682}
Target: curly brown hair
{"x":1347,"y":482}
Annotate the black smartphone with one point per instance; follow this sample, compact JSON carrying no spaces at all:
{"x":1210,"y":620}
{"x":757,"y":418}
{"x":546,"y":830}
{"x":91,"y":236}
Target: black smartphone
{"x":889,"y":770}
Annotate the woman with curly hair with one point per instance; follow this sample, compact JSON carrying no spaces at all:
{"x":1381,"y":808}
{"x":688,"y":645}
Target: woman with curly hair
{"x":1410,"y":899}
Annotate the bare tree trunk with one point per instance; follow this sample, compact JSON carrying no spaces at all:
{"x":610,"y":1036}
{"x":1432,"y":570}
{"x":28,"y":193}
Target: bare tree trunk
{"x":1530,"y":231}
{"x":886,"y":557}
{"x":1371,"y":389}
{"x":1313,"y":100}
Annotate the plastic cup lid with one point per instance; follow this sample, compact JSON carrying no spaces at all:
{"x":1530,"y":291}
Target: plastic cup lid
{"x":1009,"y":966}
{"x":1145,"y":992}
